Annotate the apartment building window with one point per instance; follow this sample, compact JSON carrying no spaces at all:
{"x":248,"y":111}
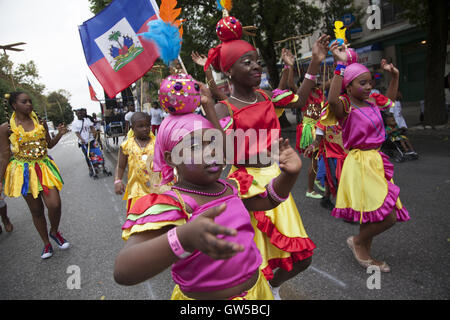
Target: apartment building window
{"x":390,"y":12}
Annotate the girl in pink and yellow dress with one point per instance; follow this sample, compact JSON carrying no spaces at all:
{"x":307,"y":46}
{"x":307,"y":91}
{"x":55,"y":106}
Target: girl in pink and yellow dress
{"x":201,"y":227}
{"x":366,"y":190}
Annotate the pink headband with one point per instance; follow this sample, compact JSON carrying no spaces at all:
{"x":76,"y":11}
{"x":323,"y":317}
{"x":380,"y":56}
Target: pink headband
{"x":351,"y":72}
{"x":172,"y":130}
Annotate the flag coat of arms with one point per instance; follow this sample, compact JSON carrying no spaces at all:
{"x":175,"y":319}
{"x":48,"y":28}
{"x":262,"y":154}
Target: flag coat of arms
{"x":114,"y":52}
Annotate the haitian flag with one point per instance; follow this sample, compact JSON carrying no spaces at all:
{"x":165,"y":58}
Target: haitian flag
{"x":114,"y":53}
{"x":92,"y":92}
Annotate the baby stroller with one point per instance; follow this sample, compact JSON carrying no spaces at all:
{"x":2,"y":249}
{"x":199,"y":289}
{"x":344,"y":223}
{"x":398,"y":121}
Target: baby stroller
{"x":96,"y":159}
{"x":394,"y":150}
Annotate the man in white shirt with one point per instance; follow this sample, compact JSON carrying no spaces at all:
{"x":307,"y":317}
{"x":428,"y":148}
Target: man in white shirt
{"x":128,"y":116}
{"x":85,"y":131}
{"x":157,"y":116}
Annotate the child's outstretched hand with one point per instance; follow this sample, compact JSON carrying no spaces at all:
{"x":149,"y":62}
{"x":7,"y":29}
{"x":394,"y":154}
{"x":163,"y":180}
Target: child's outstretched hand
{"x":119,"y":188}
{"x":287,"y":57}
{"x":389,"y":67}
{"x":320,"y":48}
{"x":199,"y":59}
{"x":289,"y":160}
{"x":338,"y":52}
{"x":201,"y":234}
{"x":62,"y":129}
{"x":206,"y":96}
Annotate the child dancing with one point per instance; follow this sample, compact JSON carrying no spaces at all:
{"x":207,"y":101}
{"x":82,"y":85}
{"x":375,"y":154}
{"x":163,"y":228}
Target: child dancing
{"x":136,"y":152}
{"x":366,"y":191}
{"x":201,"y":227}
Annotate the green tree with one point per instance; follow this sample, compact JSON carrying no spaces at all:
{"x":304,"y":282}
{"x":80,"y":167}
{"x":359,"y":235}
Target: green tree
{"x":59,"y":110}
{"x":334,"y":10}
{"x":98,"y":5}
{"x":275,"y":20}
{"x":433,"y":17}
{"x":25,"y":78}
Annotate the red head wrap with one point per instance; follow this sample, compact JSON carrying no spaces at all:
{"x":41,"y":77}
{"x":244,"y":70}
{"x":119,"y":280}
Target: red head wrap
{"x":222,"y":57}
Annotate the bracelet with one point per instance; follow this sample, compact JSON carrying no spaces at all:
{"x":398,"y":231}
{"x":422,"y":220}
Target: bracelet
{"x":117,"y":181}
{"x":340,"y":69}
{"x":264,"y":194}
{"x":310,"y":77}
{"x":287,"y":67}
{"x":175,"y":244}
{"x":273,"y":194}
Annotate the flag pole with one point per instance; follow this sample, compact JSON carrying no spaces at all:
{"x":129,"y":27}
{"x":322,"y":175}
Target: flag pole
{"x":182,"y":64}
{"x":142,"y":97}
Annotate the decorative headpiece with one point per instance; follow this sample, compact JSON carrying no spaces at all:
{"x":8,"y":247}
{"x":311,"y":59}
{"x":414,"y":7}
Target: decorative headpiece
{"x":351,"y":72}
{"x":179,"y":94}
{"x":229,"y":30}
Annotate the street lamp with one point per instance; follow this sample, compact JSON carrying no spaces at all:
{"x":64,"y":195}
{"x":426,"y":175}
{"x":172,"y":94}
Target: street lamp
{"x":11,"y":48}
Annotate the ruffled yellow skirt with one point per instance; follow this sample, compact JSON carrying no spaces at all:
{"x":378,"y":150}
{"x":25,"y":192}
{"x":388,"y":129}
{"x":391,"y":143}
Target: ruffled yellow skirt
{"x":23,"y":177}
{"x":279,"y":233}
{"x":366,"y":191}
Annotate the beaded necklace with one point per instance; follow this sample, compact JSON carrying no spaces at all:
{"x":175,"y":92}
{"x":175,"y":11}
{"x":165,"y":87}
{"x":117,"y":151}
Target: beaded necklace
{"x":208,"y":194}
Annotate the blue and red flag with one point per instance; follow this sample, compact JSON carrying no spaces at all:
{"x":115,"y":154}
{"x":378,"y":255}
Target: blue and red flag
{"x":92,"y":92}
{"x":114,"y":52}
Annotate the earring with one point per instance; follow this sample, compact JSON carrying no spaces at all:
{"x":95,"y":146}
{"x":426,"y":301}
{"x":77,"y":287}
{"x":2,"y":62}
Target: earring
{"x":175,"y":173}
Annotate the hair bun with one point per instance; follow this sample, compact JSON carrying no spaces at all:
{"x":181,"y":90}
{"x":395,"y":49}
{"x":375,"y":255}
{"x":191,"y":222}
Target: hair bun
{"x":229,"y":28}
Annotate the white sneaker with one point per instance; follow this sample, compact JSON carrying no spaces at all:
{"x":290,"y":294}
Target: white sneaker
{"x":60,"y":241}
{"x":47,"y":252}
{"x":275,"y":292}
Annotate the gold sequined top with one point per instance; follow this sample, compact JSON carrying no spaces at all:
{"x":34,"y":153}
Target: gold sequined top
{"x":141,"y":179}
{"x":28,"y":145}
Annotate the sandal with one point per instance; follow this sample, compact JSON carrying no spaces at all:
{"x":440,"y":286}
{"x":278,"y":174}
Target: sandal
{"x":8,"y":226}
{"x":384,"y":267}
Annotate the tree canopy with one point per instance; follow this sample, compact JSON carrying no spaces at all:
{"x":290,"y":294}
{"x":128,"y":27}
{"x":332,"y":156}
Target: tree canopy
{"x":25,"y":77}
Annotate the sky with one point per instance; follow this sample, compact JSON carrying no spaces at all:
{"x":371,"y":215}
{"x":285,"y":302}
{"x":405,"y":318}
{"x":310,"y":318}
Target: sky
{"x":50,"y":30}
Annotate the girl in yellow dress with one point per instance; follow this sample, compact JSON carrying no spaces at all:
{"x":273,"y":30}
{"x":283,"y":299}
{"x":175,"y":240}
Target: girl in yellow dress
{"x":137,"y":152}
{"x":27,"y":170}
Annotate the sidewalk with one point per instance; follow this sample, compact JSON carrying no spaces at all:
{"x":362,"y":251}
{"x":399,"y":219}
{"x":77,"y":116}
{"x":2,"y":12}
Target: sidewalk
{"x":411,"y":113}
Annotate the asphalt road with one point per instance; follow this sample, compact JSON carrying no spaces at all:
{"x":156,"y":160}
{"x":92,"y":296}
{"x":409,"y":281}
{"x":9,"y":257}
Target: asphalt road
{"x":417,"y":251}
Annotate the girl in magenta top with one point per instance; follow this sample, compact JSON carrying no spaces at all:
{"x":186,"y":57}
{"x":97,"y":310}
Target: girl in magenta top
{"x":366,"y":191}
{"x":201,"y":227}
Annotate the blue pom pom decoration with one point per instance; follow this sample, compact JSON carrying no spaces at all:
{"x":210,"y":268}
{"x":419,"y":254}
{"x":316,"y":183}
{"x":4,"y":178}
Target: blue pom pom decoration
{"x":166,"y":37}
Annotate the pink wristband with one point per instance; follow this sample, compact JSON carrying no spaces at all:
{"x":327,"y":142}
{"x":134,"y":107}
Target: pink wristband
{"x":273,"y":194}
{"x":310,"y":77}
{"x":175,"y":244}
{"x":117,"y":181}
